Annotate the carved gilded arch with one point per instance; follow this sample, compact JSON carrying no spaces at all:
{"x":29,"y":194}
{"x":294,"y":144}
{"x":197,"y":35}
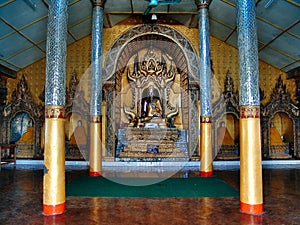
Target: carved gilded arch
{"x":280,"y":102}
{"x":138,"y":33}
{"x":227,"y":105}
{"x":22,"y":102}
{"x":167,"y":42}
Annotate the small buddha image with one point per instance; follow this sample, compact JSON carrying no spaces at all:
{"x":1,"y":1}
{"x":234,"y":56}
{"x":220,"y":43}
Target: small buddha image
{"x":151,"y":105}
{"x":224,"y":137}
{"x":275,"y":137}
{"x":28,"y":136}
{"x":79,"y":135}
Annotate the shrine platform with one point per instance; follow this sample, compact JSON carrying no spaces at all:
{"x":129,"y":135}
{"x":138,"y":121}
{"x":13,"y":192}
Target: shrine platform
{"x":190,"y":165}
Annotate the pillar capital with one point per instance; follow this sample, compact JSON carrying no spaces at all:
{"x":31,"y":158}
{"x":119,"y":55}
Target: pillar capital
{"x":96,"y":119}
{"x":57,"y":112}
{"x":99,"y":3}
{"x":201,"y":4}
{"x":205,"y":119}
{"x":250,"y":111}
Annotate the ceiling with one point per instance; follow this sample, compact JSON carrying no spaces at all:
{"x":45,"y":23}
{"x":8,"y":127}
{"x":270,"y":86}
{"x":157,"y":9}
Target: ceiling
{"x":23,"y":27}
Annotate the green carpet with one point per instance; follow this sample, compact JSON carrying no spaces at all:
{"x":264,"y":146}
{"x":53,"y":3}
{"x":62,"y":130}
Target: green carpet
{"x":170,"y":188}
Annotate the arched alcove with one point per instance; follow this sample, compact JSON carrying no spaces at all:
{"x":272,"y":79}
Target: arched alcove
{"x":151,"y":56}
{"x":281,"y":133}
{"x":279,"y":124}
{"x":227,"y":137}
{"x":22,"y":122}
{"x":226,"y":122}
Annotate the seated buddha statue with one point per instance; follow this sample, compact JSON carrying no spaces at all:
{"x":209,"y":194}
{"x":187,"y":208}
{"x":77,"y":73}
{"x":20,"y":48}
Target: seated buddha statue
{"x":275,"y":138}
{"x":152,"y":111}
{"x":79,"y":135}
{"x":224,"y":137}
{"x":28,"y":136}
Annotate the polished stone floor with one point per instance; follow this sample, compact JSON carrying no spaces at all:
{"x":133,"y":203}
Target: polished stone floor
{"x":21,"y":202}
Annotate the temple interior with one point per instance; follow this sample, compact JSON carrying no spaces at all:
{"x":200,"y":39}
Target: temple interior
{"x":150,"y":108}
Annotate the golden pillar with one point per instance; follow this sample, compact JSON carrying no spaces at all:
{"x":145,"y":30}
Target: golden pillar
{"x":251,"y":193}
{"x":205,"y":74}
{"x":54,"y":196}
{"x":206,"y":166}
{"x":96,"y":146}
{"x":96,"y":90}
{"x":104,"y":153}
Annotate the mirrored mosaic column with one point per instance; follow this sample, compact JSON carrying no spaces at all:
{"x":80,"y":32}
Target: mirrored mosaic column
{"x":54,"y":196}
{"x":206,"y":166}
{"x":96,"y":90}
{"x":251,"y":193}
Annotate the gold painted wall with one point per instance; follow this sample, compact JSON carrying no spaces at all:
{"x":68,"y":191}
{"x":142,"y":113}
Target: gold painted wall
{"x":224,"y":58}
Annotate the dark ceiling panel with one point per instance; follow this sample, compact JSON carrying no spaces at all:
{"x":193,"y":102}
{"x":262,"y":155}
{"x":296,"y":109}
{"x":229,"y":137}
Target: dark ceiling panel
{"x":12,"y":45}
{"x":82,"y":29}
{"x":5,"y":30}
{"x":9,"y":66}
{"x":220,"y":31}
{"x":224,"y":12}
{"x":79,"y":12}
{"x":23,"y":26}
{"x":27,"y":57}
{"x":266,"y":32}
{"x":184,"y":6}
{"x":182,"y":19}
{"x":281,"y":13}
{"x":232,"y":39}
{"x":288,"y":44}
{"x":36,"y":32}
{"x":115,"y":19}
{"x":117,"y":6}
{"x":20,"y":14}
{"x":295,"y":30}
{"x":42,"y":45}
{"x":293,"y":66}
{"x":274,"y":58}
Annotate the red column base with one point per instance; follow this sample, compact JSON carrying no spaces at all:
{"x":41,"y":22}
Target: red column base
{"x":51,"y":210}
{"x":95,"y":174}
{"x":206,"y":174}
{"x":257,"y":209}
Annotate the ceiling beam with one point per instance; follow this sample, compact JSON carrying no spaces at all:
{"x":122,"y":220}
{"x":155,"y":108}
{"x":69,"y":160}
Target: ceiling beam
{"x":4,"y":71}
{"x":281,"y":33}
{"x":21,"y":34}
{"x":294,"y":73}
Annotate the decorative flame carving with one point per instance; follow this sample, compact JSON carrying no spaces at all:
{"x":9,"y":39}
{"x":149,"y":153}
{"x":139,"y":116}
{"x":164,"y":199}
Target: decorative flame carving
{"x":152,"y":67}
{"x":22,"y":100}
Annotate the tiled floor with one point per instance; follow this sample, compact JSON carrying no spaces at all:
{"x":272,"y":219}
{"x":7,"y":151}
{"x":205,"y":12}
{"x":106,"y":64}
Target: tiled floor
{"x":21,"y":203}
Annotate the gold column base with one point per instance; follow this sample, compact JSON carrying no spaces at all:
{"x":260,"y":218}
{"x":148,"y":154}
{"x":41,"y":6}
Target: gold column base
{"x":54,"y":194}
{"x":96,"y":146}
{"x":206,"y":160}
{"x":251,"y":191}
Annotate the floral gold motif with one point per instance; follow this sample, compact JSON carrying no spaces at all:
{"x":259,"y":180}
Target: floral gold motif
{"x":249,"y":112}
{"x":55,"y":112}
